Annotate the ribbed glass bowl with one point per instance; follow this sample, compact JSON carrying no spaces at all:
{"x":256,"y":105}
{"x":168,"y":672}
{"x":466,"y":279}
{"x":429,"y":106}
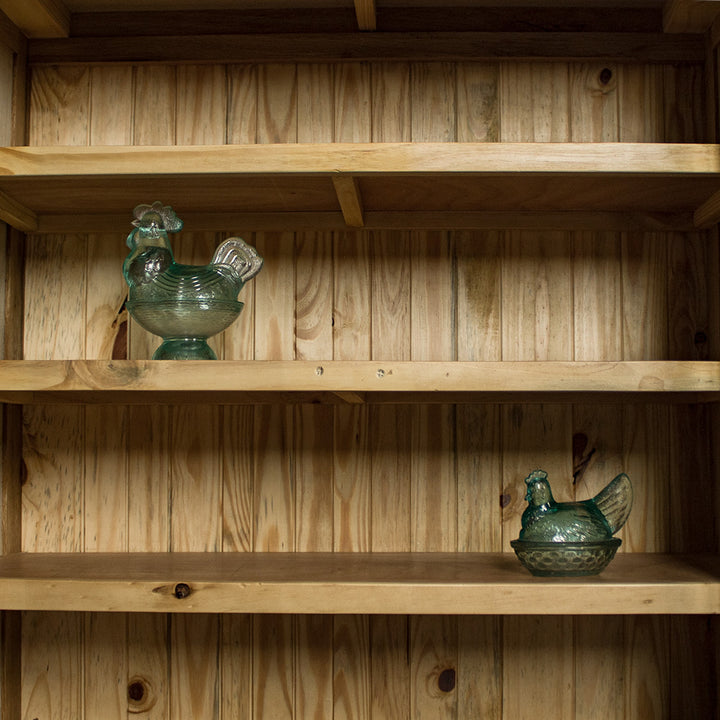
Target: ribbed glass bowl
{"x":185,"y":325}
{"x":565,"y":559}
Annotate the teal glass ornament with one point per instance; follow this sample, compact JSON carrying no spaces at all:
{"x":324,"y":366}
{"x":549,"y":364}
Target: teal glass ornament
{"x":183,"y":304}
{"x":571,"y":538}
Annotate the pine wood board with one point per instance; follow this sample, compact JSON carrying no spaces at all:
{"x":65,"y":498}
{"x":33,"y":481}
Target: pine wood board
{"x":299,"y":178}
{"x":650,"y":47}
{"x":221,"y":381}
{"x":348,"y":583}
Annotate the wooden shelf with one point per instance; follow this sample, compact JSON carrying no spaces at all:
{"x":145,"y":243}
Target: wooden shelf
{"x":568,"y":185}
{"x":232,"y":382}
{"x":387,"y":583}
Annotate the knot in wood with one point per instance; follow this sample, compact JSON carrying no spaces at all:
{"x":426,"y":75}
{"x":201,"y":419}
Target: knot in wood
{"x":182,"y":590}
{"x":446,"y":680}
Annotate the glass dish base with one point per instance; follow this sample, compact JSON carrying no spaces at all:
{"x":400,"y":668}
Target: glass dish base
{"x":191,"y":348}
{"x":565,"y":559}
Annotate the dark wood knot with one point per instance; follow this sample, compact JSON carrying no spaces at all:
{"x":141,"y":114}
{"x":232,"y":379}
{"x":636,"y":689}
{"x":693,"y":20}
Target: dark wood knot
{"x":605,"y":76}
{"x":446,"y":680}
{"x":182,"y":590}
{"x":136,"y":691}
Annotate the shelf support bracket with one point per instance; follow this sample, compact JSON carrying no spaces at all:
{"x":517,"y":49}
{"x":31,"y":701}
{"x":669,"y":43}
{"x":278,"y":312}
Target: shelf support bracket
{"x":708,"y":213}
{"x":17,"y":215}
{"x":352,"y":398}
{"x":365,"y":13}
{"x":348,"y":195}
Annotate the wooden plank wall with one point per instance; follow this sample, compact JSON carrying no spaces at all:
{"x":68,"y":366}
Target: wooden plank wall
{"x":366,"y":478}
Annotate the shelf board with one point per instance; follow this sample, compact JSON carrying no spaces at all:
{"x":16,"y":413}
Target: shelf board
{"x":68,"y":189}
{"x":242,"y":382}
{"x":387,"y":583}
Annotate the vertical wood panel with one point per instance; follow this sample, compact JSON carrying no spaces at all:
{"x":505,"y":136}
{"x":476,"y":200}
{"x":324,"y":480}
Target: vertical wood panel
{"x":59,"y":105}
{"x":640,"y":103}
{"x":236,"y":654}
{"x":530,"y":681}
{"x":433,"y":640}
{"x":106,"y":444}
{"x":390,"y":427}
{"x":314,"y":435}
{"x":597,"y":321}
{"x":155,"y":88}
{"x":202,"y":105}
{"x":154,"y":120}
{"x":277,"y":103}
{"x":391,"y":103}
{"x":52,"y":658}
{"x":433,"y":102}
{"x":537,"y":296}
{"x":236,"y":658}
{"x":478,"y":113}
{"x":314,"y":427}
{"x":537,"y":325}
{"x":242,"y":102}
{"x":534,"y":102}
{"x":274,"y":492}
{"x":479,"y":464}
{"x":7,"y":93}
{"x":195,"y":471}
{"x":194,"y":679}
{"x":273,"y":640}
{"x":51,"y":663}
{"x":593,"y":102}
{"x":684,"y":103}
{"x":352,"y":471}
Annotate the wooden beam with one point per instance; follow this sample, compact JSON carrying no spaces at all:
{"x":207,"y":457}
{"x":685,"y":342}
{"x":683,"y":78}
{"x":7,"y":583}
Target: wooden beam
{"x":689,"y":16}
{"x":340,"y":583}
{"x":388,"y":220}
{"x":366,"y":14}
{"x":348,"y":47}
{"x":607,"y":161}
{"x":195,"y":381}
{"x":38,"y":18}
{"x":348,"y":194}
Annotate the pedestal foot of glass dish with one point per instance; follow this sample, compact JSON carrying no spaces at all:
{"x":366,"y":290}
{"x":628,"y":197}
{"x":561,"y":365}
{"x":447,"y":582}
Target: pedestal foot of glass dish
{"x":184,"y":349}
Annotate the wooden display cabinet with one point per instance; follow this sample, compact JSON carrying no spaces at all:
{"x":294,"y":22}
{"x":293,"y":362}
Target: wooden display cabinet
{"x":490,"y":245}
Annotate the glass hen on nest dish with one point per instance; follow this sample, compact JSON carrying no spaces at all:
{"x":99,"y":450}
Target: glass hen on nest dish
{"x":571,"y":538}
{"x":183,"y":304}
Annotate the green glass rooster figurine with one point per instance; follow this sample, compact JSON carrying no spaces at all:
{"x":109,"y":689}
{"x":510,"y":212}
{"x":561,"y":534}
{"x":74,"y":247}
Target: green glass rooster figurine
{"x":184,"y":304}
{"x":571,"y":538}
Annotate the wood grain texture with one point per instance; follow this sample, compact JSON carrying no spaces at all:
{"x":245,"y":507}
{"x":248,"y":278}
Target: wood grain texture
{"x":351,"y":583}
{"x":274,"y":498}
{"x":7,"y":92}
{"x":53,"y":496}
{"x":315,"y":477}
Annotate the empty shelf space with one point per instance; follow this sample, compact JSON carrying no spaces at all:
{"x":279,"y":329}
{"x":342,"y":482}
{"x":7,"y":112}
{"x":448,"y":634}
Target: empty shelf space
{"x":75,"y":189}
{"x":244,"y":382}
{"x":388,"y":583}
